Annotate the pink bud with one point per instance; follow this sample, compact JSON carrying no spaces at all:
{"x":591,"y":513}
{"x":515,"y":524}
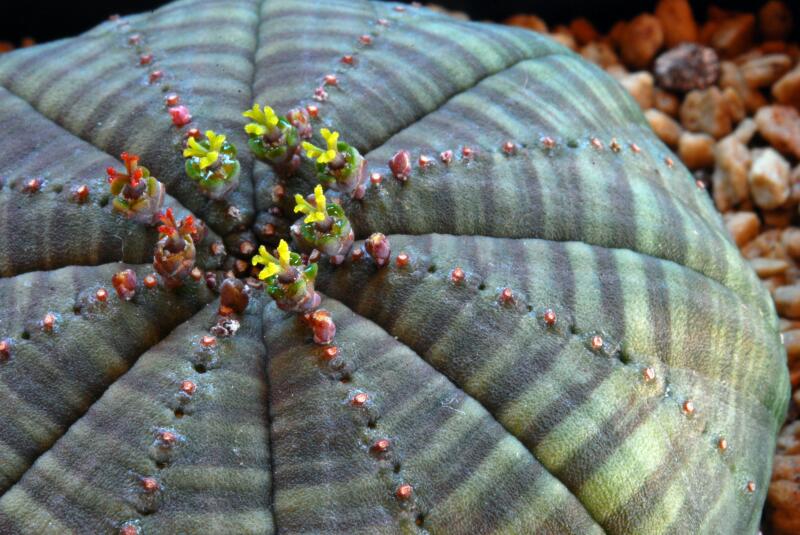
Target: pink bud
{"x":400,"y":165}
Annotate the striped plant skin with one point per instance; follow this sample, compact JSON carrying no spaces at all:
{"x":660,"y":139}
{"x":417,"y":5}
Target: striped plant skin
{"x":499,"y":422}
{"x":214,"y":479}
{"x":53,"y":377}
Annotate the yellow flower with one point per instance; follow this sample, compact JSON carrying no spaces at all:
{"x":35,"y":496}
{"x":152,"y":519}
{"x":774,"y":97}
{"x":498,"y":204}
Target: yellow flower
{"x":323,"y":156}
{"x":207,"y":155}
{"x":272,"y":265}
{"x":264,"y":121}
{"x":314,"y":214}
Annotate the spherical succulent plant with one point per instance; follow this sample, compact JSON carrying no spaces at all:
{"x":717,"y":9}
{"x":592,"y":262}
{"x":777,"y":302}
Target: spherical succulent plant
{"x":541,"y":327}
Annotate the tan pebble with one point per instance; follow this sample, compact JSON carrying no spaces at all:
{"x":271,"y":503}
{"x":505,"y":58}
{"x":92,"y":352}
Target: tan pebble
{"x":743,"y":226}
{"x":666,"y":102}
{"x":617,"y":71}
{"x":790,"y":238}
{"x":696,"y":151}
{"x":780,"y":125}
{"x":616,"y":32}
{"x":775,"y":20}
{"x":769,"y":267}
{"x":600,"y":53}
{"x":779,"y":218}
{"x":731,"y":76}
{"x":641,"y":40}
{"x":791,"y":340}
{"x":765,"y":70}
{"x":787,"y":89}
{"x":531,"y":22}
{"x":745,"y":130}
{"x":729,"y":179}
{"x":564,"y":38}
{"x":706,"y":110}
{"x":769,"y":179}
{"x":734,"y":35}
{"x":734,"y":104}
{"x":678,"y":22}
{"x":787,"y":301}
{"x":640,"y":86}
{"x":583,"y":31}
{"x":665,"y":127}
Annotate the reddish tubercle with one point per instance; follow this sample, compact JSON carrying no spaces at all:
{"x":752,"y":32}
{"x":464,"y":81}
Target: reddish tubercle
{"x":172,"y":100}
{"x":722,"y":444}
{"x":457,"y":275}
{"x":149,"y":484}
{"x":359,"y":399}
{"x":348,"y":59}
{"x":330,"y":352}
{"x":33,"y":185}
{"x":313,"y":111}
{"x":188,"y":387}
{"x":357,"y":254}
{"x":404,"y":492}
{"x":193,"y":132}
{"x":150,"y":281}
{"x":365,"y":39}
{"x":400,"y":165}
{"x":669,"y":161}
{"x":425,"y":161}
{"x":383,"y":22}
{"x":506,"y":296}
{"x":155,"y":76}
{"x":596,"y":342}
{"x":135,"y":39}
{"x":330,"y":79}
{"x":635,"y":148}
{"x":751,"y":486}
{"x":101,"y":295}
{"x":323,"y":327}
{"x":376,"y":178}
{"x":196,"y":274}
{"x":649,"y":374}
{"x":446,"y":157}
{"x":5,"y":349}
{"x":145,"y":59}
{"x":167,"y":437}
{"x":180,"y":115}
{"x":549,"y":317}
{"x":688,"y":407}
{"x":81,"y":193}
{"x":402,"y":260}
{"x":467,"y":152}
{"x":509,"y":147}
{"x":381,"y":446}
{"x":129,"y":529}
{"x":125,"y":284}
{"x":548,"y":142}
{"x":596,"y":143}
{"x":208,"y":341}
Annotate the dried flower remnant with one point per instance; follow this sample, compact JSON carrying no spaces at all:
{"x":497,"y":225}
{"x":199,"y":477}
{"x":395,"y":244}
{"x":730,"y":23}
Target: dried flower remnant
{"x":324,"y":227}
{"x":125,"y":284}
{"x":212,"y":163}
{"x":174,"y":254}
{"x":137,"y":194}
{"x":377,"y":245}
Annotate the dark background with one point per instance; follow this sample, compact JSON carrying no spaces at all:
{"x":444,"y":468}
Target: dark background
{"x":47,"y":20}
